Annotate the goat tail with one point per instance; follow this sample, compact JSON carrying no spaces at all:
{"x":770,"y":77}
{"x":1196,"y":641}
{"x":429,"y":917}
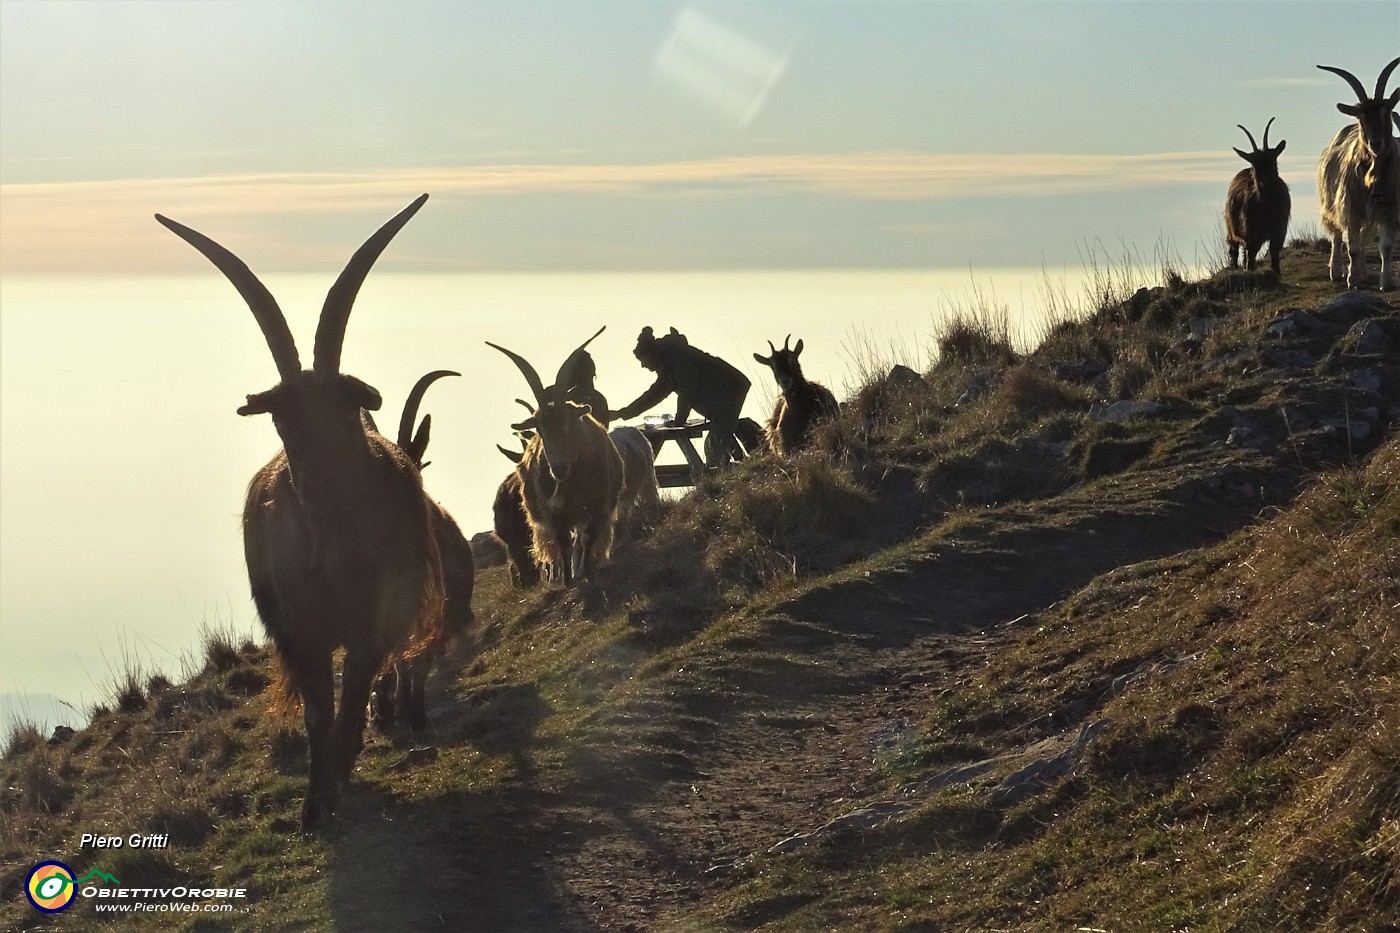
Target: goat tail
{"x":428,"y":634}
{"x":283,"y":695}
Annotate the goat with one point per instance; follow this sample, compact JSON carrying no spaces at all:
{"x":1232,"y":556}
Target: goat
{"x":399,"y":691}
{"x":1257,"y":205}
{"x":571,"y":479}
{"x":1358,"y":180}
{"x":802,"y":403}
{"x":337,"y":531}
{"x":640,"y":496}
{"x":511,"y":525}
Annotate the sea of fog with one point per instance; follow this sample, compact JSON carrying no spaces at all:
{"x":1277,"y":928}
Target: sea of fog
{"x":123,"y":463}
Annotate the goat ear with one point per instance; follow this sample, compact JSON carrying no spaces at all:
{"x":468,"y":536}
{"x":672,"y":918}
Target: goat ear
{"x":360,"y":394}
{"x":527,"y":425}
{"x":419,"y":445}
{"x":766,"y":361}
{"x":797,"y":347}
{"x":512,"y":455}
{"x":1350,"y":110}
{"x":260,"y":403}
{"x":1279,"y":148}
{"x":1242,"y":154}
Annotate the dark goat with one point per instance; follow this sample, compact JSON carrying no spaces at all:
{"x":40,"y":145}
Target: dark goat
{"x":399,"y":691}
{"x":1358,"y":181}
{"x":512,"y":525}
{"x":802,"y":403}
{"x":1257,"y":205}
{"x":337,"y":531}
{"x":571,"y":478}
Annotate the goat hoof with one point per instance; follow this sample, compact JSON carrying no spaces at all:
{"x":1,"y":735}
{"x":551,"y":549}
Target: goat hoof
{"x":310,"y":815}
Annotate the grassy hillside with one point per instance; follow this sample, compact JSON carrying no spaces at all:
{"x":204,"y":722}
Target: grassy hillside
{"x":1099,"y":636}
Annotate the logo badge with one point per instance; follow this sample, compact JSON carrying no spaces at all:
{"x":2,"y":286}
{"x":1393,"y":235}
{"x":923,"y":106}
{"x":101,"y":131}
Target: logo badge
{"x":50,"y":887}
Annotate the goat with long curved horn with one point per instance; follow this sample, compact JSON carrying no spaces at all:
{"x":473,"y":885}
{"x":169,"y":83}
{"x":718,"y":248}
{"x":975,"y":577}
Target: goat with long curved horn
{"x":570,"y":477}
{"x":1358,"y":180}
{"x":399,"y":692}
{"x":337,"y":531}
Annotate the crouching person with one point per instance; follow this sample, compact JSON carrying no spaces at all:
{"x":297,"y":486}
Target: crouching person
{"x":701,"y":382}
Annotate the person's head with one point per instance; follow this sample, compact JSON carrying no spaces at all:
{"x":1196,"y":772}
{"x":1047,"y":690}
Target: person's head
{"x":645,"y":351}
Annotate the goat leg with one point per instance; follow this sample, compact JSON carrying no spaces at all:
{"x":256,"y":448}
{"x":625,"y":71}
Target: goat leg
{"x":1387,"y":246}
{"x":318,"y":700}
{"x":383,"y":705}
{"x":1334,"y":262}
{"x":410,"y":700}
{"x":349,"y":732}
{"x":1356,"y":259}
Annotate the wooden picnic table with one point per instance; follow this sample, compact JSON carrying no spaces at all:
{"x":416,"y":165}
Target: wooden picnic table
{"x":670,"y":475}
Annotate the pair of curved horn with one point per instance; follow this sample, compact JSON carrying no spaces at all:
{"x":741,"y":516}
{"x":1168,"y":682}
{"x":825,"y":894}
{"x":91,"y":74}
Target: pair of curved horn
{"x":533,"y":378}
{"x":335,"y":313}
{"x":1251,"y":136}
{"x":1358,"y":87}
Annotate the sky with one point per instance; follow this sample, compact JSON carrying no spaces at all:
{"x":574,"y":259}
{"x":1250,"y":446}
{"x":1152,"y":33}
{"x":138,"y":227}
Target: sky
{"x":647,"y":135}
{"x":716,"y":165}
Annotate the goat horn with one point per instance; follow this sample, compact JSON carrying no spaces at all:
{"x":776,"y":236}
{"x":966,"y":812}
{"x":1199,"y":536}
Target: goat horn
{"x":526,"y":405}
{"x":1350,"y":79}
{"x":772,"y":350}
{"x":526,"y":370}
{"x":1266,"y":131}
{"x":335,"y":313}
{"x":1252,"y":144}
{"x":785,"y":341}
{"x":1385,"y":76}
{"x":415,"y":398}
{"x":575,"y":359}
{"x":259,"y":299}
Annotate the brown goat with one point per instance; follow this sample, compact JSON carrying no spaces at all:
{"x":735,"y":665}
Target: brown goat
{"x":802,"y":403}
{"x":337,"y":531}
{"x":1257,"y":205}
{"x":399,"y":691}
{"x":571,"y":479}
{"x":1358,"y":180}
{"x":512,"y":527}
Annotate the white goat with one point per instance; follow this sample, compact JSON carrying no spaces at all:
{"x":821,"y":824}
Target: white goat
{"x":1358,"y":180}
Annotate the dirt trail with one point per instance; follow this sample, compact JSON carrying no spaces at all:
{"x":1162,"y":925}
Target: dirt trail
{"x":746,"y":743}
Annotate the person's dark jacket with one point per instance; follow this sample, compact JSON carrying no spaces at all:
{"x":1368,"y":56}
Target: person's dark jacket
{"x":700,"y":381}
